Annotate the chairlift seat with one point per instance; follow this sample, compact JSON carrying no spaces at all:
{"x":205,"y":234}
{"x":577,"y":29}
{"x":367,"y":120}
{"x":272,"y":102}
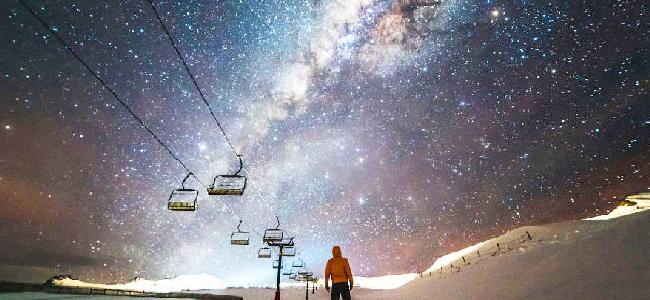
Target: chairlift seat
{"x":264,"y":252}
{"x":239,"y":238}
{"x":288,"y":251}
{"x":228,"y":185}
{"x":276,"y":263}
{"x":273,"y":235}
{"x":183,"y":200}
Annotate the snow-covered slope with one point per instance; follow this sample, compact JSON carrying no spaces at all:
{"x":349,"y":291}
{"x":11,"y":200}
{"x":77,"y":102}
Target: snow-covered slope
{"x":583,"y":259}
{"x":633,"y":204}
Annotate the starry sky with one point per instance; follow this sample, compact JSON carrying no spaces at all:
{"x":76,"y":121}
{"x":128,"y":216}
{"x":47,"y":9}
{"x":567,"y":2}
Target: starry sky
{"x":398,"y":129}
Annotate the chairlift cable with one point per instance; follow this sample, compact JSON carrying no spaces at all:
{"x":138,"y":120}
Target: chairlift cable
{"x":124,"y":104}
{"x":196,"y":85}
{"x":198,"y":88}
{"x":130,"y":111}
{"x":105,"y":85}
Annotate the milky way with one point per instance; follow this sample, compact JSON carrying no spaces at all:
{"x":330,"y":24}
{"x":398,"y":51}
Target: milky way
{"x":400,"y":130}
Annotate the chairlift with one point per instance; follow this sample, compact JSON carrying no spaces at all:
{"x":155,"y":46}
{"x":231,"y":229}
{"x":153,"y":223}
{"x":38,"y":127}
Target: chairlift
{"x":287,"y":272}
{"x":273,"y":235}
{"x":225,"y":185}
{"x":239,"y":237}
{"x":292,"y":277}
{"x":276,"y":263}
{"x":183,"y":199}
{"x":298,"y":263}
{"x":288,"y":251}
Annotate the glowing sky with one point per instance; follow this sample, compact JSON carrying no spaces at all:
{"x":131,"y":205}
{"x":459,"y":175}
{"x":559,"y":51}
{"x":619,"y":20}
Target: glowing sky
{"x":401,"y":130}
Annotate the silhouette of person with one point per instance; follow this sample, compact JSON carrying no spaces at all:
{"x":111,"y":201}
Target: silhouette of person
{"x":338,"y":269}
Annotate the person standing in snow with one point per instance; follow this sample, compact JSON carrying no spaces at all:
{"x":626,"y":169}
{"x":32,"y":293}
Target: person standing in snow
{"x":338,"y":269}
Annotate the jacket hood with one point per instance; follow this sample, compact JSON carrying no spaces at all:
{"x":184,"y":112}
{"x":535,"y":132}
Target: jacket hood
{"x":336,"y":252}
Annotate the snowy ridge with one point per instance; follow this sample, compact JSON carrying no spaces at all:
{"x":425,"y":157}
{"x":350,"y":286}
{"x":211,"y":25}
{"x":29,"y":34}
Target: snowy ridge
{"x":445,"y":260}
{"x":184,"y":282}
{"x":642,"y":202}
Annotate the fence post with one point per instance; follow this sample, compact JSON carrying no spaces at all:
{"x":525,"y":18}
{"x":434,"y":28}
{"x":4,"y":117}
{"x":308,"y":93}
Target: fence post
{"x":499,"y":246}
{"x":464,"y":261}
{"x":529,"y":237}
{"x":479,"y":253}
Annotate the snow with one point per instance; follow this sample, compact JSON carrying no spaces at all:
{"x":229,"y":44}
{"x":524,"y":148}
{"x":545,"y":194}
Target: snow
{"x":446,"y":260}
{"x":384,"y":282}
{"x":642,"y":203}
{"x":183,"y":282}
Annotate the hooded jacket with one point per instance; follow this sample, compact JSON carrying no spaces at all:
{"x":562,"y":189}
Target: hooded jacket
{"x":338,"y":268}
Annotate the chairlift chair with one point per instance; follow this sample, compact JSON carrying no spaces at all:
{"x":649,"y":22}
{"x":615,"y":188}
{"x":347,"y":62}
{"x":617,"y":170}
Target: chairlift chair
{"x":273,"y":235}
{"x":183,"y":199}
{"x":225,"y":185}
{"x":288,"y":251}
{"x":305,"y":277}
{"x":287,"y":272}
{"x":239,"y":237}
{"x":276,"y":263}
{"x":264,"y":252}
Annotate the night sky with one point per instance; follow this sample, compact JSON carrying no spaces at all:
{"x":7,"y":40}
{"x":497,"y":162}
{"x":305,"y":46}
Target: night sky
{"x":401,"y":130}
